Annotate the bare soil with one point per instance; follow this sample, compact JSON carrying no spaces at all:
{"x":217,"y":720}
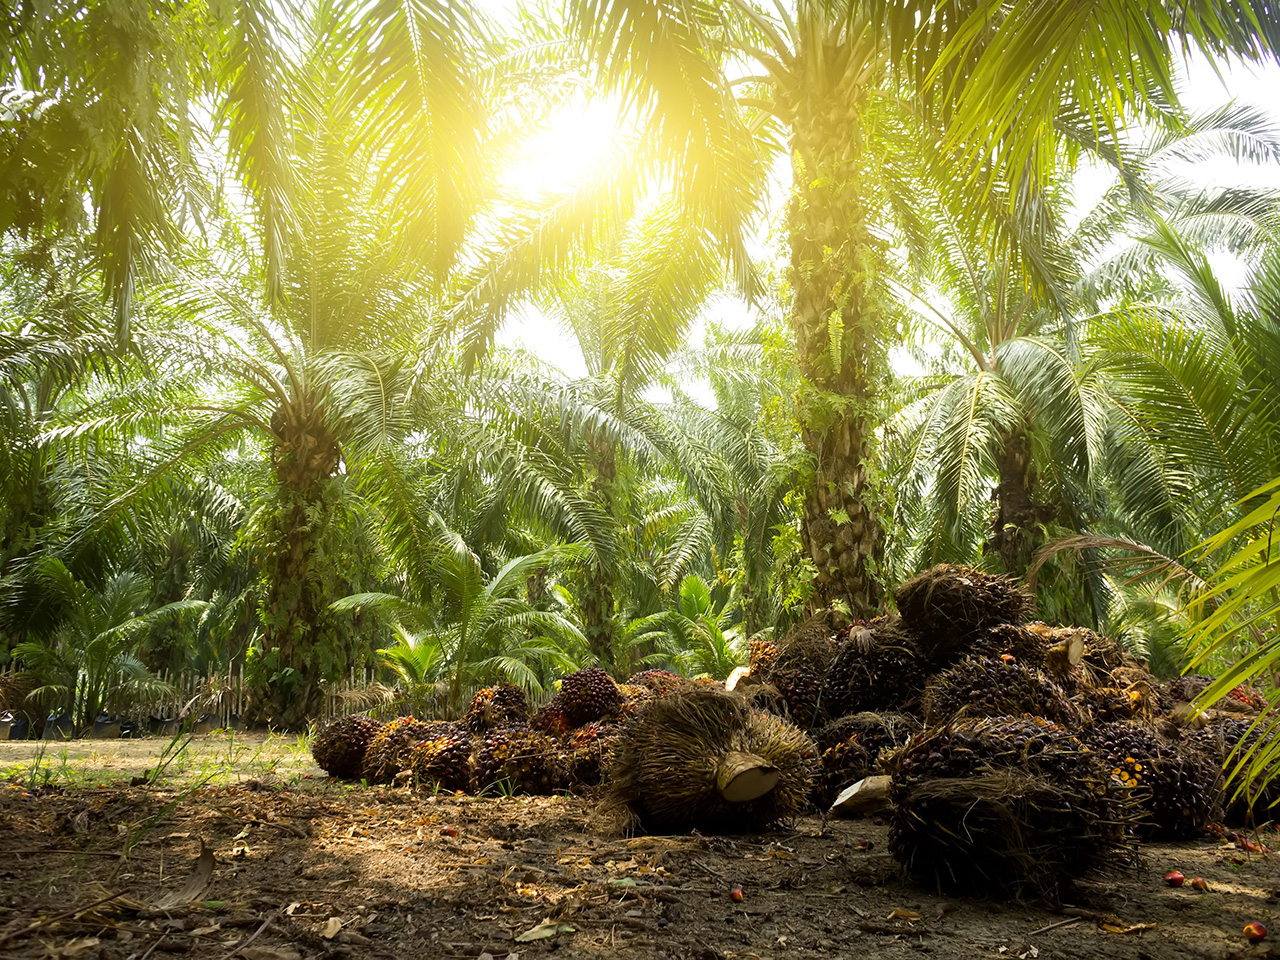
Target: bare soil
{"x":301,"y":867}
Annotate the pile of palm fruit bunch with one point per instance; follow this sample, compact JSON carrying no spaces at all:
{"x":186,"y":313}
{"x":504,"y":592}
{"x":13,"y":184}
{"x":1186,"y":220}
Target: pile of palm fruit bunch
{"x":1005,"y":805}
{"x":703,"y":758}
{"x":963,"y":655}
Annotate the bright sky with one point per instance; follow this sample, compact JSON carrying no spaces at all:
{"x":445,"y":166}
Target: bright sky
{"x":579,"y":139}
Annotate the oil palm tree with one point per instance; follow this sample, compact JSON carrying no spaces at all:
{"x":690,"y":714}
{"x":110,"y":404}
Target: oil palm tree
{"x":469,"y":627}
{"x":842,"y":81}
{"x":91,"y":663}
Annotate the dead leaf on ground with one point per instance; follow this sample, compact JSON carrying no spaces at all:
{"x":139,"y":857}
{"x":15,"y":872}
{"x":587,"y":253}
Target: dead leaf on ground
{"x":898,"y":913}
{"x":74,"y":948}
{"x":1129,"y":928}
{"x":196,"y":884}
{"x":331,"y":928}
{"x":544,"y":931}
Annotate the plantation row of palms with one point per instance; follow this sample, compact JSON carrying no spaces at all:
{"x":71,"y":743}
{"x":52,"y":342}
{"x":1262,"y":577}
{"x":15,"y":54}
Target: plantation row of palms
{"x":256,"y":259}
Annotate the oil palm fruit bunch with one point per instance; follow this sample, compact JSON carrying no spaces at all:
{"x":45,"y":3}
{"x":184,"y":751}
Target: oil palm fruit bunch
{"x":550,"y":718}
{"x":1106,"y":704}
{"x":587,"y":753}
{"x":880,"y":733}
{"x":516,"y":758}
{"x":443,"y":759}
{"x":1186,"y":688}
{"x":1227,"y":743}
{"x":800,"y":670}
{"x":390,"y":751}
{"x":1019,"y":641}
{"x":988,"y":687}
{"x":1178,"y":787}
{"x":879,"y":667}
{"x":702,"y":758}
{"x":948,"y":607}
{"x":843,"y":763}
{"x":496,"y":707}
{"x":761,"y":654}
{"x":1004,"y":805}
{"x":339,"y":748}
{"x":661,"y":682}
{"x":1186,"y":793}
{"x":634,"y":696}
{"x":589,"y":695}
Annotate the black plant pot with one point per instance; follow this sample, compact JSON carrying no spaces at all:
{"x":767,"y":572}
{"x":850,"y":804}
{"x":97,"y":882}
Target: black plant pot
{"x":130,"y":729}
{"x":20,"y":729}
{"x":59,"y":726}
{"x":163,"y":727}
{"x":105,"y":728}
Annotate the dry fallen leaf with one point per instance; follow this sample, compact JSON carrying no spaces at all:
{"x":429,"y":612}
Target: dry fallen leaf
{"x":544,"y":931}
{"x":75,"y":948}
{"x":331,"y":928}
{"x":899,"y":913}
{"x":196,"y":884}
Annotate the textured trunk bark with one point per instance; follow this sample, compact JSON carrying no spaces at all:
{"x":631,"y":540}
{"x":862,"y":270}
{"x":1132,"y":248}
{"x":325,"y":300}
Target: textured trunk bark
{"x":598,"y":601}
{"x":1016,"y":533}
{"x":295,"y":610}
{"x":835,"y":266}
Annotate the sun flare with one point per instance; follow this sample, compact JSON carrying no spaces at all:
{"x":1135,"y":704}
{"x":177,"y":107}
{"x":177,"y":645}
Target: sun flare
{"x":578,"y":142}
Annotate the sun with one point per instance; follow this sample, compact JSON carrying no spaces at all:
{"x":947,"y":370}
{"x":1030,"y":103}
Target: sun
{"x":578,"y":143}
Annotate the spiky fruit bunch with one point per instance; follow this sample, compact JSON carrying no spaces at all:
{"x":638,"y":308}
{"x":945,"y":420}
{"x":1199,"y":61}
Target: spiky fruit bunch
{"x":843,"y":763}
{"x":661,"y":682}
{"x":340,"y":747}
{"x":987,"y":687}
{"x":880,"y":733}
{"x":443,"y":759}
{"x":588,"y":751}
{"x":390,"y":751}
{"x":496,"y":707}
{"x":1226,"y":744}
{"x":517,"y":759}
{"x":761,"y":655}
{"x":879,"y":667}
{"x":550,"y":718}
{"x":1004,"y":805}
{"x":1248,"y":697}
{"x":1019,"y":641}
{"x":683,"y":762}
{"x":1186,"y":688}
{"x":1107,"y":704}
{"x":800,"y":670}
{"x":1178,"y":788}
{"x":589,"y":695}
{"x":948,"y":607}
{"x":634,"y":696}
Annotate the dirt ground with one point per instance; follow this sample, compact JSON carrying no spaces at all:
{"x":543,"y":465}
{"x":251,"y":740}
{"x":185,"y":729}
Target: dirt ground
{"x":299,"y":867}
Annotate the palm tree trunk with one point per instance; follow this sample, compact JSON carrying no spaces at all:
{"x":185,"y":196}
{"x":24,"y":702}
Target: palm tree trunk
{"x":295,"y":616}
{"x":598,"y":599}
{"x":835,"y":266}
{"x":1017,"y":531}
